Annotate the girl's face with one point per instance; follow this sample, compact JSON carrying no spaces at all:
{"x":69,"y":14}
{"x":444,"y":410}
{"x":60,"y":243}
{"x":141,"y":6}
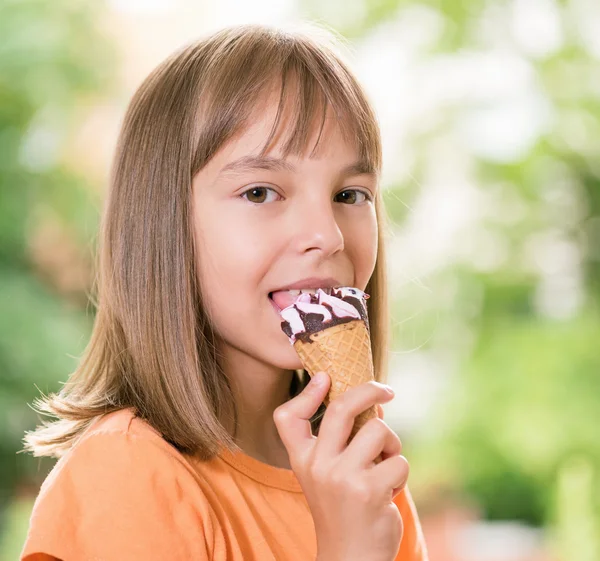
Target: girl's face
{"x":263,"y":227}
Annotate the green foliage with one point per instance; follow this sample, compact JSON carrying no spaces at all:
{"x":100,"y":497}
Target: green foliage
{"x":16,"y":524}
{"x":34,"y":327}
{"x":576,"y":532}
{"x":531,"y":400}
{"x":51,"y":55}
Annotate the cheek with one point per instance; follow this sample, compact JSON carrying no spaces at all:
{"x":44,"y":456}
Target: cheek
{"x":361,"y":246}
{"x":232,"y":258}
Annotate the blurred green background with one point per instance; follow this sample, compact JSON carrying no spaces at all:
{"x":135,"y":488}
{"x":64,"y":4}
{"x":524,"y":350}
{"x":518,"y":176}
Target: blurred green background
{"x":490,"y":113}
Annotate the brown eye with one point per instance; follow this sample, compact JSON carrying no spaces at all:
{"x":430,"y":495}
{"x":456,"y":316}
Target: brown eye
{"x":350,"y":196}
{"x":257,"y":195}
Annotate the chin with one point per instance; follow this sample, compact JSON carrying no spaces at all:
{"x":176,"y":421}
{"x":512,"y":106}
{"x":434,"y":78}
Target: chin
{"x":288,"y":359}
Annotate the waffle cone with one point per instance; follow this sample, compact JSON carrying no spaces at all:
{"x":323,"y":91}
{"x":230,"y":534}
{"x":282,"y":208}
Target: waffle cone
{"x":344,"y":352}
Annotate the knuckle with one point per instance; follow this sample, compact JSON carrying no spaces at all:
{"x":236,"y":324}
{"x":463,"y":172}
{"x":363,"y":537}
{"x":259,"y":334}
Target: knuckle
{"x":337,"y":407}
{"x":385,"y":432}
{"x":381,"y":429}
{"x":280,"y":415}
{"x":337,"y":482}
{"x":395,"y":440}
{"x":394,"y":514}
{"x":398,"y":444}
{"x":375,"y":386}
{"x":402,"y":465}
{"x":379,"y":392}
{"x":298,"y":464}
{"x":361,"y":491}
{"x":338,"y":479}
{"x":319,"y":474}
{"x":376,"y":426}
{"x":342,"y":483}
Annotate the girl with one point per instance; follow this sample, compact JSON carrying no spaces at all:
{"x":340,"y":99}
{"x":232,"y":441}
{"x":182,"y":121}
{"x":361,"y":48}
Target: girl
{"x":247,"y":164}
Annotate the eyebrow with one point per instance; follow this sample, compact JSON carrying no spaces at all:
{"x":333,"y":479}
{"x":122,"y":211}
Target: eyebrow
{"x":252,"y":163}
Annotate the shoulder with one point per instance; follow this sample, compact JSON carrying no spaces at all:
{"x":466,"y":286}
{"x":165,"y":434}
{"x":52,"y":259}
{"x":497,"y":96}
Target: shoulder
{"x":120,"y":445}
{"x":124,"y":438}
{"x":121,"y":492}
{"x":123,"y":422}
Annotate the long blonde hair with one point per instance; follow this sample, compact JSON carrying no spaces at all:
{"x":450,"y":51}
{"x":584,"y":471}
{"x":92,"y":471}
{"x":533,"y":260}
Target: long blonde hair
{"x":152,"y":347}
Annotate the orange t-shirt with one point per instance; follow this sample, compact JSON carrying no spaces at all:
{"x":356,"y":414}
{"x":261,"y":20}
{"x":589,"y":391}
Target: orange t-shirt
{"x":123,"y":493}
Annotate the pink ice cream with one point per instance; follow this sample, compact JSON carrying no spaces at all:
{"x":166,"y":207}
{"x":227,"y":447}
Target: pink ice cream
{"x":314,"y":312}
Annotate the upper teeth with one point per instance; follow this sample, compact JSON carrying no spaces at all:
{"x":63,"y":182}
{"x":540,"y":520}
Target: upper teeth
{"x":308,"y":291}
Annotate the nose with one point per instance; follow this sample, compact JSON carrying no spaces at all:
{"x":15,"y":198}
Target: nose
{"x":318,"y":229}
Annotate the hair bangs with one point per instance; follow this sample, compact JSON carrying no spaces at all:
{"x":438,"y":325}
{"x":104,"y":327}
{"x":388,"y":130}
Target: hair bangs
{"x":312,"y":85}
{"x":305,"y":102}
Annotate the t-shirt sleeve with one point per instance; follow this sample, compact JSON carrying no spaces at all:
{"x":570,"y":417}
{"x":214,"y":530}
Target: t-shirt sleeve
{"x":412,"y":547}
{"x":119,"y":496}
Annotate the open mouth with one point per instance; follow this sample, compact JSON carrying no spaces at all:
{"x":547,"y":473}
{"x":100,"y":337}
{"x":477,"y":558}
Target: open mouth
{"x":283,"y":298}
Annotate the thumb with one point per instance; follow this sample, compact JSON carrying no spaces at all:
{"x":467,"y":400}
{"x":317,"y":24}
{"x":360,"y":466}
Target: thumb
{"x":292,"y":419}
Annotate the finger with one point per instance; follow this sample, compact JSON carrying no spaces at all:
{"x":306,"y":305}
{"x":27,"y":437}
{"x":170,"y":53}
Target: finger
{"x":339,"y":417}
{"x":390,"y":476}
{"x":292,"y":419}
{"x":371,"y":440}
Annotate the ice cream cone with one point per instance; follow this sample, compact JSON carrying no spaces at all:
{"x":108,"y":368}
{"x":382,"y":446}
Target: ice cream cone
{"x":331,"y":334}
{"x":344,"y":352}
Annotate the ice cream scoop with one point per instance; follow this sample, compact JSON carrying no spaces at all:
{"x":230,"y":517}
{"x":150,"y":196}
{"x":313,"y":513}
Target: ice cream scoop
{"x":314,"y":312}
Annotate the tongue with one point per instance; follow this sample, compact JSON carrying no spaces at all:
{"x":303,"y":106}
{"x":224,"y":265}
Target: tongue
{"x":283,"y":299}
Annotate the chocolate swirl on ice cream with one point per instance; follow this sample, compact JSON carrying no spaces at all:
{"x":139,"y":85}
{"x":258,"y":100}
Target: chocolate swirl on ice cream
{"x":314,"y":312}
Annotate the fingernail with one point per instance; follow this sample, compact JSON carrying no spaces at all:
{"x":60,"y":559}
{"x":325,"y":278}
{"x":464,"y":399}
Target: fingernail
{"x":390,"y":390}
{"x":319,"y":379}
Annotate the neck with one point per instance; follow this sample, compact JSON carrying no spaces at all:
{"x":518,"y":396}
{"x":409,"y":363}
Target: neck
{"x":257,"y":393}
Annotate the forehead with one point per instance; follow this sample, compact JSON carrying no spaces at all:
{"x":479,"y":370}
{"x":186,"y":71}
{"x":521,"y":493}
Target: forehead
{"x":325,"y":140}
{"x":318,"y":125}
